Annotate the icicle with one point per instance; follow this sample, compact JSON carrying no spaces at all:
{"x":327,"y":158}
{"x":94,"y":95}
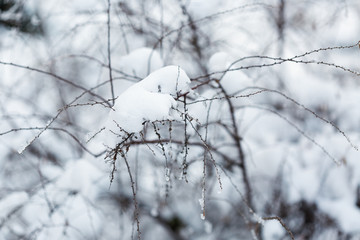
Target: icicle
{"x":202,"y":205}
{"x":167,"y":174}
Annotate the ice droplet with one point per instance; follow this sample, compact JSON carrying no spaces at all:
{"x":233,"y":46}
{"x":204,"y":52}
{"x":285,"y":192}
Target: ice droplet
{"x":202,"y":216}
{"x":167,"y":174}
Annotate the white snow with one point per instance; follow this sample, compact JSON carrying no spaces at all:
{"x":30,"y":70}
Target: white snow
{"x":154,"y":212}
{"x":148,"y":100}
{"x":202,"y":8}
{"x":72,"y":201}
{"x":79,"y":176}
{"x":231,"y":81}
{"x":140,"y":62}
{"x":305,"y":184}
{"x":11,"y":202}
{"x":344,"y":212}
{"x":273,"y":230}
{"x":208,"y":227}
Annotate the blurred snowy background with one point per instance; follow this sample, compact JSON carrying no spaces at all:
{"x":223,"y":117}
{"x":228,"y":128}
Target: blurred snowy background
{"x":264,"y":145}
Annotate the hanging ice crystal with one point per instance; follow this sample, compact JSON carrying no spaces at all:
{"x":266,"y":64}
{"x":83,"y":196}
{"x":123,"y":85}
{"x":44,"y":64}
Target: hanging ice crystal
{"x":167,"y":174}
{"x":202,"y":205}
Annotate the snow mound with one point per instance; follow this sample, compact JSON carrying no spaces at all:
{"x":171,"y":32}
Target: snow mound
{"x":148,"y":100}
{"x":79,"y":176}
{"x":141,"y":62}
{"x":232,"y":81}
{"x":345,"y":213}
{"x":11,"y":202}
{"x":273,"y":230}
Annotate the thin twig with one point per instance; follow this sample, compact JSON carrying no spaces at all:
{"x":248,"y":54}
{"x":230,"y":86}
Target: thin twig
{"x":109,"y":53}
{"x":54,"y":76}
{"x":136,"y":211}
{"x":282,"y":224}
{"x":279,"y":60}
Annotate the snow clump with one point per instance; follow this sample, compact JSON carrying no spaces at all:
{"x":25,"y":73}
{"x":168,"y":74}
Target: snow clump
{"x":151,"y":99}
